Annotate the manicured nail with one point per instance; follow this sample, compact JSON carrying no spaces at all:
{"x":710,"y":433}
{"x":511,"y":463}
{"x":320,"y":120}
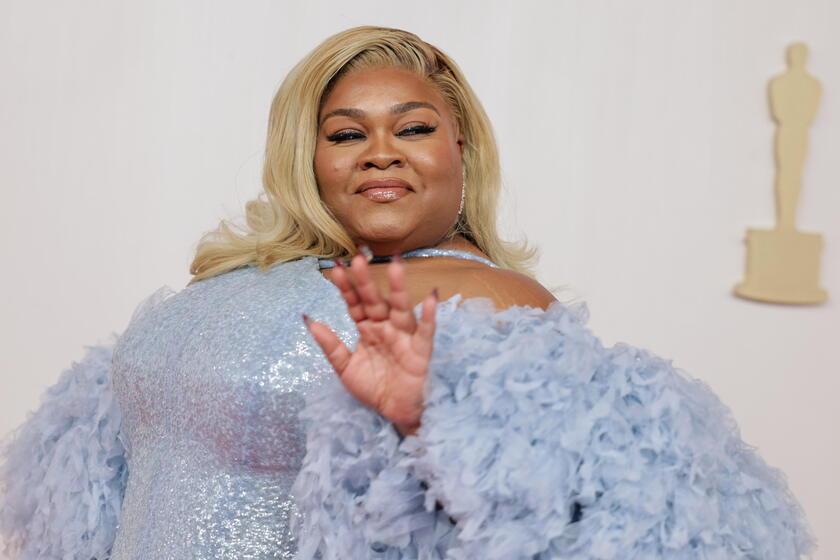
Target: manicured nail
{"x":435,"y":293}
{"x":365,"y":250}
{"x":306,"y":319}
{"x":397,"y":258}
{"x":338,"y":263}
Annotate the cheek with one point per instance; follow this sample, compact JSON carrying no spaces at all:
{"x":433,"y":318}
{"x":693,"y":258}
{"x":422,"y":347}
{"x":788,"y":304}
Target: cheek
{"x":439,"y":162}
{"x":332,"y":169}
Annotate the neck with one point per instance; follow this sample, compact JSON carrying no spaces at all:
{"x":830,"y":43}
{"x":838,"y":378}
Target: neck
{"x":458,"y":242}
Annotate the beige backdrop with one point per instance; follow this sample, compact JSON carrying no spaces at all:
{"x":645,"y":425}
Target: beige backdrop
{"x":635,"y":137}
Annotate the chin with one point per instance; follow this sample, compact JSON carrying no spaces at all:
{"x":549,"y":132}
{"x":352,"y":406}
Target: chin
{"x":383,"y":222}
{"x":384,"y":232}
{"x":389,"y":229}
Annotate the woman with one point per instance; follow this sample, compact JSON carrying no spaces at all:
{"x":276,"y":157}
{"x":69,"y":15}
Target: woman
{"x":472,"y":416}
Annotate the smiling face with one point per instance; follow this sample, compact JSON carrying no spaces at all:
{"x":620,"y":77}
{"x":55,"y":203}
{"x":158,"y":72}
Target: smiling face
{"x":388,"y":159}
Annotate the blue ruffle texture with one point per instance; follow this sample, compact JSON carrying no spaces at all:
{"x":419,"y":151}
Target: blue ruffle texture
{"x":356,"y":501}
{"x":63,"y":471}
{"x":542,"y":444}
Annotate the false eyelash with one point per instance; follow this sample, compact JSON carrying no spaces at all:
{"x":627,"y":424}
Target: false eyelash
{"x":354,"y":135}
{"x":342,"y":136}
{"x":419,"y":129}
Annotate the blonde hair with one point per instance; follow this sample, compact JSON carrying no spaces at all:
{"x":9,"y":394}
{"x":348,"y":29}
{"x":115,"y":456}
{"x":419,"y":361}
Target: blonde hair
{"x":288,"y":220}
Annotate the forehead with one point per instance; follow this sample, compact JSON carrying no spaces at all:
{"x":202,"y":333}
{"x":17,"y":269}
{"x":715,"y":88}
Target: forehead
{"x":377,"y":90}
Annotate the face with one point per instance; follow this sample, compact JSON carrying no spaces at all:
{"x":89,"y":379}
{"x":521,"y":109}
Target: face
{"x":388,"y":159}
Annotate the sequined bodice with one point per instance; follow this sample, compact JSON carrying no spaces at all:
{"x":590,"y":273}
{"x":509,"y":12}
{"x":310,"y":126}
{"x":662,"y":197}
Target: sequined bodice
{"x":210,"y":381}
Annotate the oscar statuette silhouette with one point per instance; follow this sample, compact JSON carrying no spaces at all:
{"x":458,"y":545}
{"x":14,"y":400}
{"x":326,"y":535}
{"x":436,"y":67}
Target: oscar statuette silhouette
{"x":783,"y":264}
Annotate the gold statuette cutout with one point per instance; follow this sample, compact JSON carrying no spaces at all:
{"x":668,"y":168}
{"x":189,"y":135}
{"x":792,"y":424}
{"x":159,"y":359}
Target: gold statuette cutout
{"x":783,"y":264}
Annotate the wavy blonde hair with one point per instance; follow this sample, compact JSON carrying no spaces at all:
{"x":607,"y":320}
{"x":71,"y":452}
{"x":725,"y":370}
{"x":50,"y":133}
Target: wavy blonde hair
{"x":289,"y":220}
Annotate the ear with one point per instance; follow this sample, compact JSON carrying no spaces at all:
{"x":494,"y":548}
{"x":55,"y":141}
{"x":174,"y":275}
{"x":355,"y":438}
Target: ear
{"x":460,"y":143}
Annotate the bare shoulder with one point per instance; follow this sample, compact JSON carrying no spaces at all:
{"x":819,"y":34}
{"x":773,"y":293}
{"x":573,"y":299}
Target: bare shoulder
{"x":505,"y":288}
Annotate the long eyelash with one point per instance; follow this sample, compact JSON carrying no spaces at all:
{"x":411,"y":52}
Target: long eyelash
{"x":419,"y":129}
{"x":342,"y":136}
{"x":354,"y":135}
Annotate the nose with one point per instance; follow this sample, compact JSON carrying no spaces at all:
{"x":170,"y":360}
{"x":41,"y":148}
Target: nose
{"x":381,"y":153}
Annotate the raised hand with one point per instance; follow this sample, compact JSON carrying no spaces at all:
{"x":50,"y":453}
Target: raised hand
{"x":388,"y":369}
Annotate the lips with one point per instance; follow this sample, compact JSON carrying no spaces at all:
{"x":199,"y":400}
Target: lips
{"x":384,"y":184}
{"x":384,"y":190}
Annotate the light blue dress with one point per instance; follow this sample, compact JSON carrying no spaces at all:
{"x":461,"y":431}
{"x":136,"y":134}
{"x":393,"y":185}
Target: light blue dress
{"x":213,"y":428}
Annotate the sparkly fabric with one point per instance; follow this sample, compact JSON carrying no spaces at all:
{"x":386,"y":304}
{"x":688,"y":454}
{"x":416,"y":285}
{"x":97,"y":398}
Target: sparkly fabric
{"x":210,"y":381}
{"x":216,"y":429}
{"x":180,"y":438}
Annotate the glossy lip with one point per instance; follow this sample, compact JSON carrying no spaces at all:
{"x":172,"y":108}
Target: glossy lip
{"x":385,"y":194}
{"x":384,"y":183}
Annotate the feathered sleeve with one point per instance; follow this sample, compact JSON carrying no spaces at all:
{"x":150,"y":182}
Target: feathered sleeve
{"x":63,"y":472}
{"x":541,"y":443}
{"x":355,"y":500}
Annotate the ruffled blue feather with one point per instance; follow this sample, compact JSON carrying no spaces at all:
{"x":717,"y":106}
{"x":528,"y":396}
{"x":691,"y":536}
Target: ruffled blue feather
{"x":358,"y":503}
{"x":64,"y":470}
{"x":542,"y":443}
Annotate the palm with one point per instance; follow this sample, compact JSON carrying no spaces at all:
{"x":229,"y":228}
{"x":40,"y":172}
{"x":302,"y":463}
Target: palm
{"x":387,"y":370}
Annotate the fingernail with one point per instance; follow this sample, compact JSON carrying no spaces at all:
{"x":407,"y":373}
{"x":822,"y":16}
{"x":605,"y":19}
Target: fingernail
{"x":435,"y":293}
{"x":365,"y":250}
{"x":338,"y":263}
{"x":306,"y":319}
{"x":397,"y":258}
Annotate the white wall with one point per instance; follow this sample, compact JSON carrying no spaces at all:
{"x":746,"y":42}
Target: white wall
{"x":636,"y":143}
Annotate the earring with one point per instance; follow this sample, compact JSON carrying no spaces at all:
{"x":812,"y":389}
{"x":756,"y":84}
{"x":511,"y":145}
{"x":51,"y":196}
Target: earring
{"x":463,"y":196}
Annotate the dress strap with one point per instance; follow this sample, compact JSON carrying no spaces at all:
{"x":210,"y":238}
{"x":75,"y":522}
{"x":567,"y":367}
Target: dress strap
{"x":424,"y":252}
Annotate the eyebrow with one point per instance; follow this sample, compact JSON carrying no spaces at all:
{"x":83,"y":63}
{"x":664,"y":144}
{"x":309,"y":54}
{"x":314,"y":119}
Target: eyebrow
{"x":410,"y":106}
{"x":397,"y":109}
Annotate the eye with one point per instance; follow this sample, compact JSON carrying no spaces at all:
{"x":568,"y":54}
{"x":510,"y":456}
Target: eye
{"x":417,"y":129}
{"x":344,"y":135}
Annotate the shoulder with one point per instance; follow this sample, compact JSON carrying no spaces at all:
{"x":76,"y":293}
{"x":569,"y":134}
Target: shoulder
{"x":505,"y":288}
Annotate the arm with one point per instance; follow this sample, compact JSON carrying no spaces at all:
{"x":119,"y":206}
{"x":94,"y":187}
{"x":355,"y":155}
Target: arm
{"x":544,"y":444}
{"x":354,"y":499}
{"x":63,"y":471}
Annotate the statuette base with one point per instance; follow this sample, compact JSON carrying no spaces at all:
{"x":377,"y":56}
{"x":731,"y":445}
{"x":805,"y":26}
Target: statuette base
{"x":783,"y":266}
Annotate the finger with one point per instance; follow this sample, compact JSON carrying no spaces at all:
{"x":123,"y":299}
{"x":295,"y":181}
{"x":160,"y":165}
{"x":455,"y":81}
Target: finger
{"x":341,"y":279}
{"x":374,"y":305}
{"x":402,"y":315}
{"x":334,"y":349}
{"x":423,"y":338}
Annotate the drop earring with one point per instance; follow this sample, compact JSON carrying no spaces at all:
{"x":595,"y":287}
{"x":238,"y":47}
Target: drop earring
{"x":463,"y":196}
